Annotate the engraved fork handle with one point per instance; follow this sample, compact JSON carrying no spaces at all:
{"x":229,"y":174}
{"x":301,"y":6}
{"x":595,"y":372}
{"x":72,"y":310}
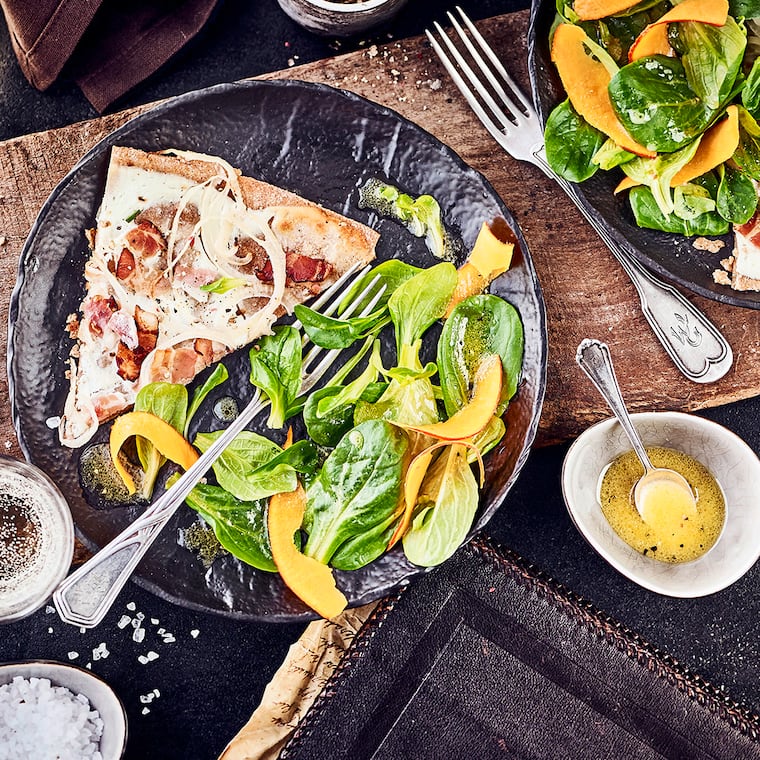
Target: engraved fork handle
{"x":692,"y":341}
{"x":85,"y":597}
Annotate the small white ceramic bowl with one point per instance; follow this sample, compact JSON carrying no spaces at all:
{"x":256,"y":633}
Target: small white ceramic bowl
{"x":101,"y":696}
{"x":34,"y":510}
{"x":733,"y":463}
{"x":340,"y":19}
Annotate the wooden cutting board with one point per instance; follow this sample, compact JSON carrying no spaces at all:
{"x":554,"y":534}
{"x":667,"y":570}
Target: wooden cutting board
{"x":586,"y":292}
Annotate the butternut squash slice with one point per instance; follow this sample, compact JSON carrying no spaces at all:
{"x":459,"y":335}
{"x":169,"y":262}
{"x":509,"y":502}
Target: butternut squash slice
{"x":160,"y":433}
{"x":652,"y":41}
{"x":718,"y":144}
{"x":476,"y":414}
{"x":654,"y":38}
{"x":490,"y":256}
{"x":591,"y":10}
{"x":585,"y":79}
{"x":415,"y":476}
{"x":309,"y":580}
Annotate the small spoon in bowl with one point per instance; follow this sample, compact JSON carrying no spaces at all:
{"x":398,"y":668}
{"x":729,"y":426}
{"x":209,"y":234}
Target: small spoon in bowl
{"x":661,"y":495}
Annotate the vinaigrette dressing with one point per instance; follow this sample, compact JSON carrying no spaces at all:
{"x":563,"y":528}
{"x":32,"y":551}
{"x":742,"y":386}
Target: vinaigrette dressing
{"x":675,"y":538}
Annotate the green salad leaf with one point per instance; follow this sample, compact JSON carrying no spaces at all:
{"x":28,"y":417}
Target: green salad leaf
{"x":747,"y":155}
{"x":445,"y":510}
{"x":276,"y":366}
{"x":712,"y":58}
{"x":479,"y":325}
{"x":655,"y":103}
{"x":252,"y":467}
{"x":571,"y":144}
{"x":169,"y":402}
{"x":648,"y":214}
{"x":737,"y":197}
{"x":239,"y":526}
{"x":357,"y":489}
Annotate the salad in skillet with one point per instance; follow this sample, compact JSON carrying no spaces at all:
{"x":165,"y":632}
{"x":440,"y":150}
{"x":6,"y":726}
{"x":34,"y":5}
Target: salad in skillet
{"x":390,"y":448}
{"x":668,"y":95}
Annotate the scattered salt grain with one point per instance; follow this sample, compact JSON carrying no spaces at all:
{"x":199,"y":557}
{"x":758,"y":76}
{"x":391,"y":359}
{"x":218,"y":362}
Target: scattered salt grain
{"x":146,"y":699}
{"x":49,"y":609}
{"x":124,"y":621}
{"x":73,"y":655}
{"x":154,"y":621}
{"x":100,"y":652}
{"x":50,"y":630}
{"x":145,"y":710}
{"x":139,"y":635}
{"x":42,"y":721}
{"x":131,"y":606}
{"x":194,"y":633}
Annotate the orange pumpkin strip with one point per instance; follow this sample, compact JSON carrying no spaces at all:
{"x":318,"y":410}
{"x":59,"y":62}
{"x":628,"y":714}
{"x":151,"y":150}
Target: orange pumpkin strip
{"x":652,"y":41}
{"x":585,"y":80}
{"x":654,"y":38}
{"x":160,"y":433}
{"x":474,"y":415}
{"x":717,"y":145}
{"x":490,"y":256}
{"x":591,"y":10}
{"x":308,"y":579}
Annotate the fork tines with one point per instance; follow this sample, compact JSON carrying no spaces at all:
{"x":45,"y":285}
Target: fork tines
{"x":482,"y":79}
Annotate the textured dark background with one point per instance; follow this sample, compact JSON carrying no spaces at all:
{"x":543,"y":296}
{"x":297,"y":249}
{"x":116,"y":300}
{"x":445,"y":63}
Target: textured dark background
{"x":209,"y":684}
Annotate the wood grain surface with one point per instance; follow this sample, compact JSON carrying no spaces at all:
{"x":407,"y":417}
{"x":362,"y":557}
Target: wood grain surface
{"x":586,"y":292}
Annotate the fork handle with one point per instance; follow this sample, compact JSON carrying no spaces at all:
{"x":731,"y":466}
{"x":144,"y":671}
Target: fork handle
{"x":692,"y":341}
{"x":87,"y":594}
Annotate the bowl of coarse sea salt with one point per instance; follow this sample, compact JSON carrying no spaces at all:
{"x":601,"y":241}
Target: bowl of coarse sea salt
{"x":49,"y":710}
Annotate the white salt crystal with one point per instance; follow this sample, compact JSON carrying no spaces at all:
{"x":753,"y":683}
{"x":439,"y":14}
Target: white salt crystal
{"x":131,"y":606}
{"x":194,"y":633}
{"x":124,"y":621}
{"x":73,"y":655}
{"x":138,"y":635}
{"x":145,"y":710}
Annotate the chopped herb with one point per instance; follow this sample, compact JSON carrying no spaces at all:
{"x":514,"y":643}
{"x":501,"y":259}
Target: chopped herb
{"x":223,"y":285}
{"x":133,"y":215}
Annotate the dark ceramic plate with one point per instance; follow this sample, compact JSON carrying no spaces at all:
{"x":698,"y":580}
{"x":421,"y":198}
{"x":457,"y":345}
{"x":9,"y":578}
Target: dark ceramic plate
{"x":322,"y":144}
{"x":672,"y":256}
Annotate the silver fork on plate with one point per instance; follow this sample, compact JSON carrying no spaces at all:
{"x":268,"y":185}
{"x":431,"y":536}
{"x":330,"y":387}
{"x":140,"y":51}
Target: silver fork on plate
{"x":85,"y":596}
{"x":694,"y":344}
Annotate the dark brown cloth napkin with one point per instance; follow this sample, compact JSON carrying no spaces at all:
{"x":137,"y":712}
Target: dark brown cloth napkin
{"x":487,"y":658}
{"x":106,"y":46}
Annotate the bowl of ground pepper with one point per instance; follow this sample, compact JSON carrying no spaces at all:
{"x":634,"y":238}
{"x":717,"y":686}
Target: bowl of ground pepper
{"x":36,"y":538}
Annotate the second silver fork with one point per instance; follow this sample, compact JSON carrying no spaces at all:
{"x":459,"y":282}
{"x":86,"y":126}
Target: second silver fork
{"x":691,"y":340}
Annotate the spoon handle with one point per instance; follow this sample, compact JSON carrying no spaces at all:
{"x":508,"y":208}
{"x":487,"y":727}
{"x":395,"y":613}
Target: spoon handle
{"x":594,"y":359}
